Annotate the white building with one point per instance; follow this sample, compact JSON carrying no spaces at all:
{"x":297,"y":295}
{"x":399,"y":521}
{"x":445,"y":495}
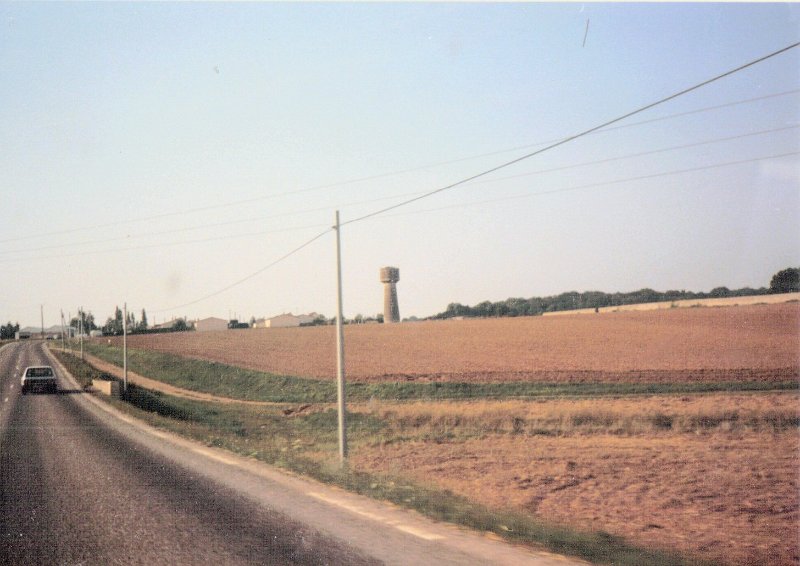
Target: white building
{"x":210,"y":323}
{"x":286,"y":320}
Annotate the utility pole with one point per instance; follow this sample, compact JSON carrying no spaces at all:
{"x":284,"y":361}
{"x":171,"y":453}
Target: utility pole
{"x":125,"y":350}
{"x":63,"y":345}
{"x":340,"y":350}
{"x":69,"y":316}
{"x":41,"y":312}
{"x":80,"y":324}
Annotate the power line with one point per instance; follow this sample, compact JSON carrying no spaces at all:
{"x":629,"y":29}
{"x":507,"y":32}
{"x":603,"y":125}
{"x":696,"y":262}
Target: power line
{"x":517,"y":160}
{"x":199,"y":227}
{"x":327,"y":208}
{"x":643,"y":153}
{"x":612,"y":129}
{"x":576,"y":136}
{"x":250,"y":276}
{"x":599,"y":184}
{"x":165,"y":244}
{"x":355,"y":203}
{"x":387,"y":174}
{"x":514,"y":197}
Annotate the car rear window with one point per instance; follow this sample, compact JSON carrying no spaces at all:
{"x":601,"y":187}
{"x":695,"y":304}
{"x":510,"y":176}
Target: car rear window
{"x":39,"y":372}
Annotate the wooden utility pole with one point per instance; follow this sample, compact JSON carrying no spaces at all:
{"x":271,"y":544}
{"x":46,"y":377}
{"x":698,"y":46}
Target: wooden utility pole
{"x":340,"y":389}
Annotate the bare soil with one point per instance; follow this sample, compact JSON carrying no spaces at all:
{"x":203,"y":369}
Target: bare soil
{"x":745,"y":343}
{"x":729,"y":498}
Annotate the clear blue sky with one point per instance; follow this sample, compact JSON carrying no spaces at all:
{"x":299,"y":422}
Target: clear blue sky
{"x":119,"y":121}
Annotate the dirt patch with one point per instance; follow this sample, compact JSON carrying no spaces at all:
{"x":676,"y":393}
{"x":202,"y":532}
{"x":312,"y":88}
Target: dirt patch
{"x":728,"y":498}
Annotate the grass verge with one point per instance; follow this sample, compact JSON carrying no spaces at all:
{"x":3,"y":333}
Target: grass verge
{"x":239,"y":383}
{"x":305,"y":443}
{"x":83,"y":373}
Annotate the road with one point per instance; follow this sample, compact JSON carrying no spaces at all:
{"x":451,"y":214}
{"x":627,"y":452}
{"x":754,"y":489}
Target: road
{"x":80,"y":483}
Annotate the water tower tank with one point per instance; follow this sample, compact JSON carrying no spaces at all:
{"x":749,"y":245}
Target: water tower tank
{"x":391,"y":309}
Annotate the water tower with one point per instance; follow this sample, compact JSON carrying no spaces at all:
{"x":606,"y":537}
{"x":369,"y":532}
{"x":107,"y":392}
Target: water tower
{"x":391,"y":309}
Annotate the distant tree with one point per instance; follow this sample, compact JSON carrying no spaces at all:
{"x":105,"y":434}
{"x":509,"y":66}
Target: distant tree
{"x":113,"y":325}
{"x":8,"y":331}
{"x":88,"y":322}
{"x":785,"y":281}
{"x":143,"y":322}
{"x":252,"y":322}
{"x":358,"y":319}
{"x":180,"y":325}
{"x":319,"y":320}
{"x":720,"y":292}
{"x":379,"y":317}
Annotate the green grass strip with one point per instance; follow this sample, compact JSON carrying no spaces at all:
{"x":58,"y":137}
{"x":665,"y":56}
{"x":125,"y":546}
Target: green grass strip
{"x":240,"y":383}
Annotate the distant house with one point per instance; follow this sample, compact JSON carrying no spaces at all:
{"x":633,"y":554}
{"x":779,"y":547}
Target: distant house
{"x":308,"y":318}
{"x":36,"y":332}
{"x":165,"y":325}
{"x":286,"y":320}
{"x":210,"y":323}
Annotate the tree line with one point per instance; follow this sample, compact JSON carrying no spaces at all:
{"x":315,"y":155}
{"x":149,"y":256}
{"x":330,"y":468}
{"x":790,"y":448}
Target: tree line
{"x":785,"y":281}
{"x":113,"y":326}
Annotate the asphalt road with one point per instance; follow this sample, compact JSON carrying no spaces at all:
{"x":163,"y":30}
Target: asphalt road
{"x":82,"y":484}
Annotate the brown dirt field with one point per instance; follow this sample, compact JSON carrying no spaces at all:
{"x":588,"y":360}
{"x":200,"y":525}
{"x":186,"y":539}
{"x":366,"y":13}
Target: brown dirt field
{"x":750,"y":343}
{"x":728,"y":496}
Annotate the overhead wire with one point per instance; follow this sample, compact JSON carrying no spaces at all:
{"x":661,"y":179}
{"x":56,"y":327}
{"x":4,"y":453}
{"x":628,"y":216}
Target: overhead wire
{"x":462,"y":205}
{"x":501,"y":166}
{"x":164,"y":244}
{"x":576,"y":136}
{"x":205,"y":226}
{"x":262,"y":198}
{"x":353,"y":203}
{"x":492,"y":201}
{"x":639,"y":154}
{"x":250,"y":276}
{"x":600,"y":184}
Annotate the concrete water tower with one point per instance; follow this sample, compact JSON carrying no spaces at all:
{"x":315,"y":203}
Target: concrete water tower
{"x":391,"y":309}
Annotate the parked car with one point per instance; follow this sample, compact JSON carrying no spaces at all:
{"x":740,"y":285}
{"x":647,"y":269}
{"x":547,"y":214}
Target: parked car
{"x":39,"y":378}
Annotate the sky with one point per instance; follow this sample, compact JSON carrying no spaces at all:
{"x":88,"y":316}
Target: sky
{"x":157,"y":154}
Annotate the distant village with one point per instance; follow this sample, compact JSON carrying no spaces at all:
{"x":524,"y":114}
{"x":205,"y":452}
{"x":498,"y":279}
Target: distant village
{"x":209,"y":324}
{"x":84,"y":324}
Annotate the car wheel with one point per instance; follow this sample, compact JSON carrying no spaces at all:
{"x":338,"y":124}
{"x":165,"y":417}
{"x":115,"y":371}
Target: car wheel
{"x":24,"y":391}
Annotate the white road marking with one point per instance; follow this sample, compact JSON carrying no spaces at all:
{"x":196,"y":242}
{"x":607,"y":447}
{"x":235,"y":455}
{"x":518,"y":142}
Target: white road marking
{"x":396,"y":524}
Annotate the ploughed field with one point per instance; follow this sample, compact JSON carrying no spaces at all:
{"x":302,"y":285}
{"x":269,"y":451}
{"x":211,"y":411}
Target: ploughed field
{"x":744,"y":343}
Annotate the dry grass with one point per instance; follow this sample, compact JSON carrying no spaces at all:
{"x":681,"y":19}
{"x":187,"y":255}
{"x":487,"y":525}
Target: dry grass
{"x":768,"y":412}
{"x":746,"y":343}
{"x":722,"y":489}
